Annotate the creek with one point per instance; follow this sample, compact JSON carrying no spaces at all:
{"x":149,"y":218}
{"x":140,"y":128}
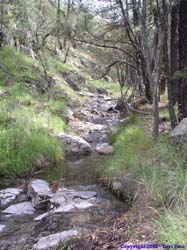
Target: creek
{"x":22,"y":232}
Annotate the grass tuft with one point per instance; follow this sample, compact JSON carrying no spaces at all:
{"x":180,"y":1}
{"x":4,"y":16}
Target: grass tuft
{"x":172,"y":227}
{"x":22,"y":142}
{"x":29,"y":120}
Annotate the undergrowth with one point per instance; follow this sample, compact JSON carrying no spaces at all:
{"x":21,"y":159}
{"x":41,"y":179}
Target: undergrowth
{"x":29,"y":120}
{"x":161,"y":169}
{"x":21,"y":143}
{"x":16,"y":67}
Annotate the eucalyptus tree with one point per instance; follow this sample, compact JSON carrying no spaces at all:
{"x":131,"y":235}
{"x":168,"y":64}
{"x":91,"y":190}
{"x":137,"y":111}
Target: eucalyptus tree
{"x":143,"y":36}
{"x":182,"y":87}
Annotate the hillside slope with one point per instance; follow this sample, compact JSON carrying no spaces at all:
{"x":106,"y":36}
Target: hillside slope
{"x":34,"y":110}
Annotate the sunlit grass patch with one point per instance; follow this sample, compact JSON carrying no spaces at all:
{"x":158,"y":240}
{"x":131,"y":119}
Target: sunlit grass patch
{"x":16,"y":67}
{"x":172,"y":227}
{"x":22,"y":141}
{"x":111,"y":86}
{"x":131,"y":145}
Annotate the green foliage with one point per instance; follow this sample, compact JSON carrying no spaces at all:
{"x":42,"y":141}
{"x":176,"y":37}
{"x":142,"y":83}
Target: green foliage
{"x":172,"y":227}
{"x":160,"y":169}
{"x":22,"y":141}
{"x":55,"y":65}
{"x":65,"y":245}
{"x":180,"y":74}
{"x":27,"y":118}
{"x":131,"y":147}
{"x":155,"y":164}
{"x":15,"y":67}
{"x":111,"y":86}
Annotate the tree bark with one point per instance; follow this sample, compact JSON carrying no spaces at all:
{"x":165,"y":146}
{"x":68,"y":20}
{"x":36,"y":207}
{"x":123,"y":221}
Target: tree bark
{"x":1,"y":24}
{"x":58,"y":25}
{"x":173,"y":82}
{"x":183,"y":59}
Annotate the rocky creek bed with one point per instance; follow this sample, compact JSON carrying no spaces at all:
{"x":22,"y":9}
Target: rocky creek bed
{"x":67,"y":201}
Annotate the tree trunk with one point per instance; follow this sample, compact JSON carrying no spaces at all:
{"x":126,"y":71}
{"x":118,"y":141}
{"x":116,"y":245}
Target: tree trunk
{"x":58,"y":25}
{"x":1,"y":24}
{"x":67,"y":34}
{"x":155,"y":109}
{"x":173,"y":82}
{"x":136,"y":20}
{"x":183,"y":59}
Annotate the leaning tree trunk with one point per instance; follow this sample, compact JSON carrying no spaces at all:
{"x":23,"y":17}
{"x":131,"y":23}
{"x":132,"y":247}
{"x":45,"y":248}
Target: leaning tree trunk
{"x":183,"y":59}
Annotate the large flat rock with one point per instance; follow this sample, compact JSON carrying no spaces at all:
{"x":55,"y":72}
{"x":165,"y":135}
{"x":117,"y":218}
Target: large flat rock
{"x":70,"y":207}
{"x":74,"y":206}
{"x":65,"y":209}
{"x":48,"y":242}
{"x":40,"y":193}
{"x":83,"y":194}
{"x":23,"y":208}
{"x":68,"y":200}
{"x":2,"y":227}
{"x":104,"y":149}
{"x":75,"y":146}
{"x":41,"y":216}
{"x":179,"y":134}
{"x":9,"y":195}
{"x":64,"y":196}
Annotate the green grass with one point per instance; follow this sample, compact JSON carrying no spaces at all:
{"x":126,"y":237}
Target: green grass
{"x":29,"y":120}
{"x":172,"y":227}
{"x":16,"y":67}
{"x":22,"y":142}
{"x":113,"y":87}
{"x":158,"y":167}
{"x":26,"y":128}
{"x":131,"y":147}
{"x":154,"y":163}
{"x":55,"y":65}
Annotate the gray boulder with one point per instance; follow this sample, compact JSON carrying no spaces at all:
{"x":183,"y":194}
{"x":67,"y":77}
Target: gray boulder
{"x":179,"y":134}
{"x":49,"y":242}
{"x":104,"y":149}
{"x":41,"y":216}
{"x":40,"y":193}
{"x":67,"y":200}
{"x":63,"y":197}
{"x":83,"y":194}
{"x":22,"y":208}
{"x":74,"y":145}
{"x":74,"y":206}
{"x":74,"y":80}
{"x":2,"y":227}
{"x":87,"y":63}
{"x":9,"y":195}
{"x":28,"y":51}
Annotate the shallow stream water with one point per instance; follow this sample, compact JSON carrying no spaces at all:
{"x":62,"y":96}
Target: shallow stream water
{"x":22,"y":232}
